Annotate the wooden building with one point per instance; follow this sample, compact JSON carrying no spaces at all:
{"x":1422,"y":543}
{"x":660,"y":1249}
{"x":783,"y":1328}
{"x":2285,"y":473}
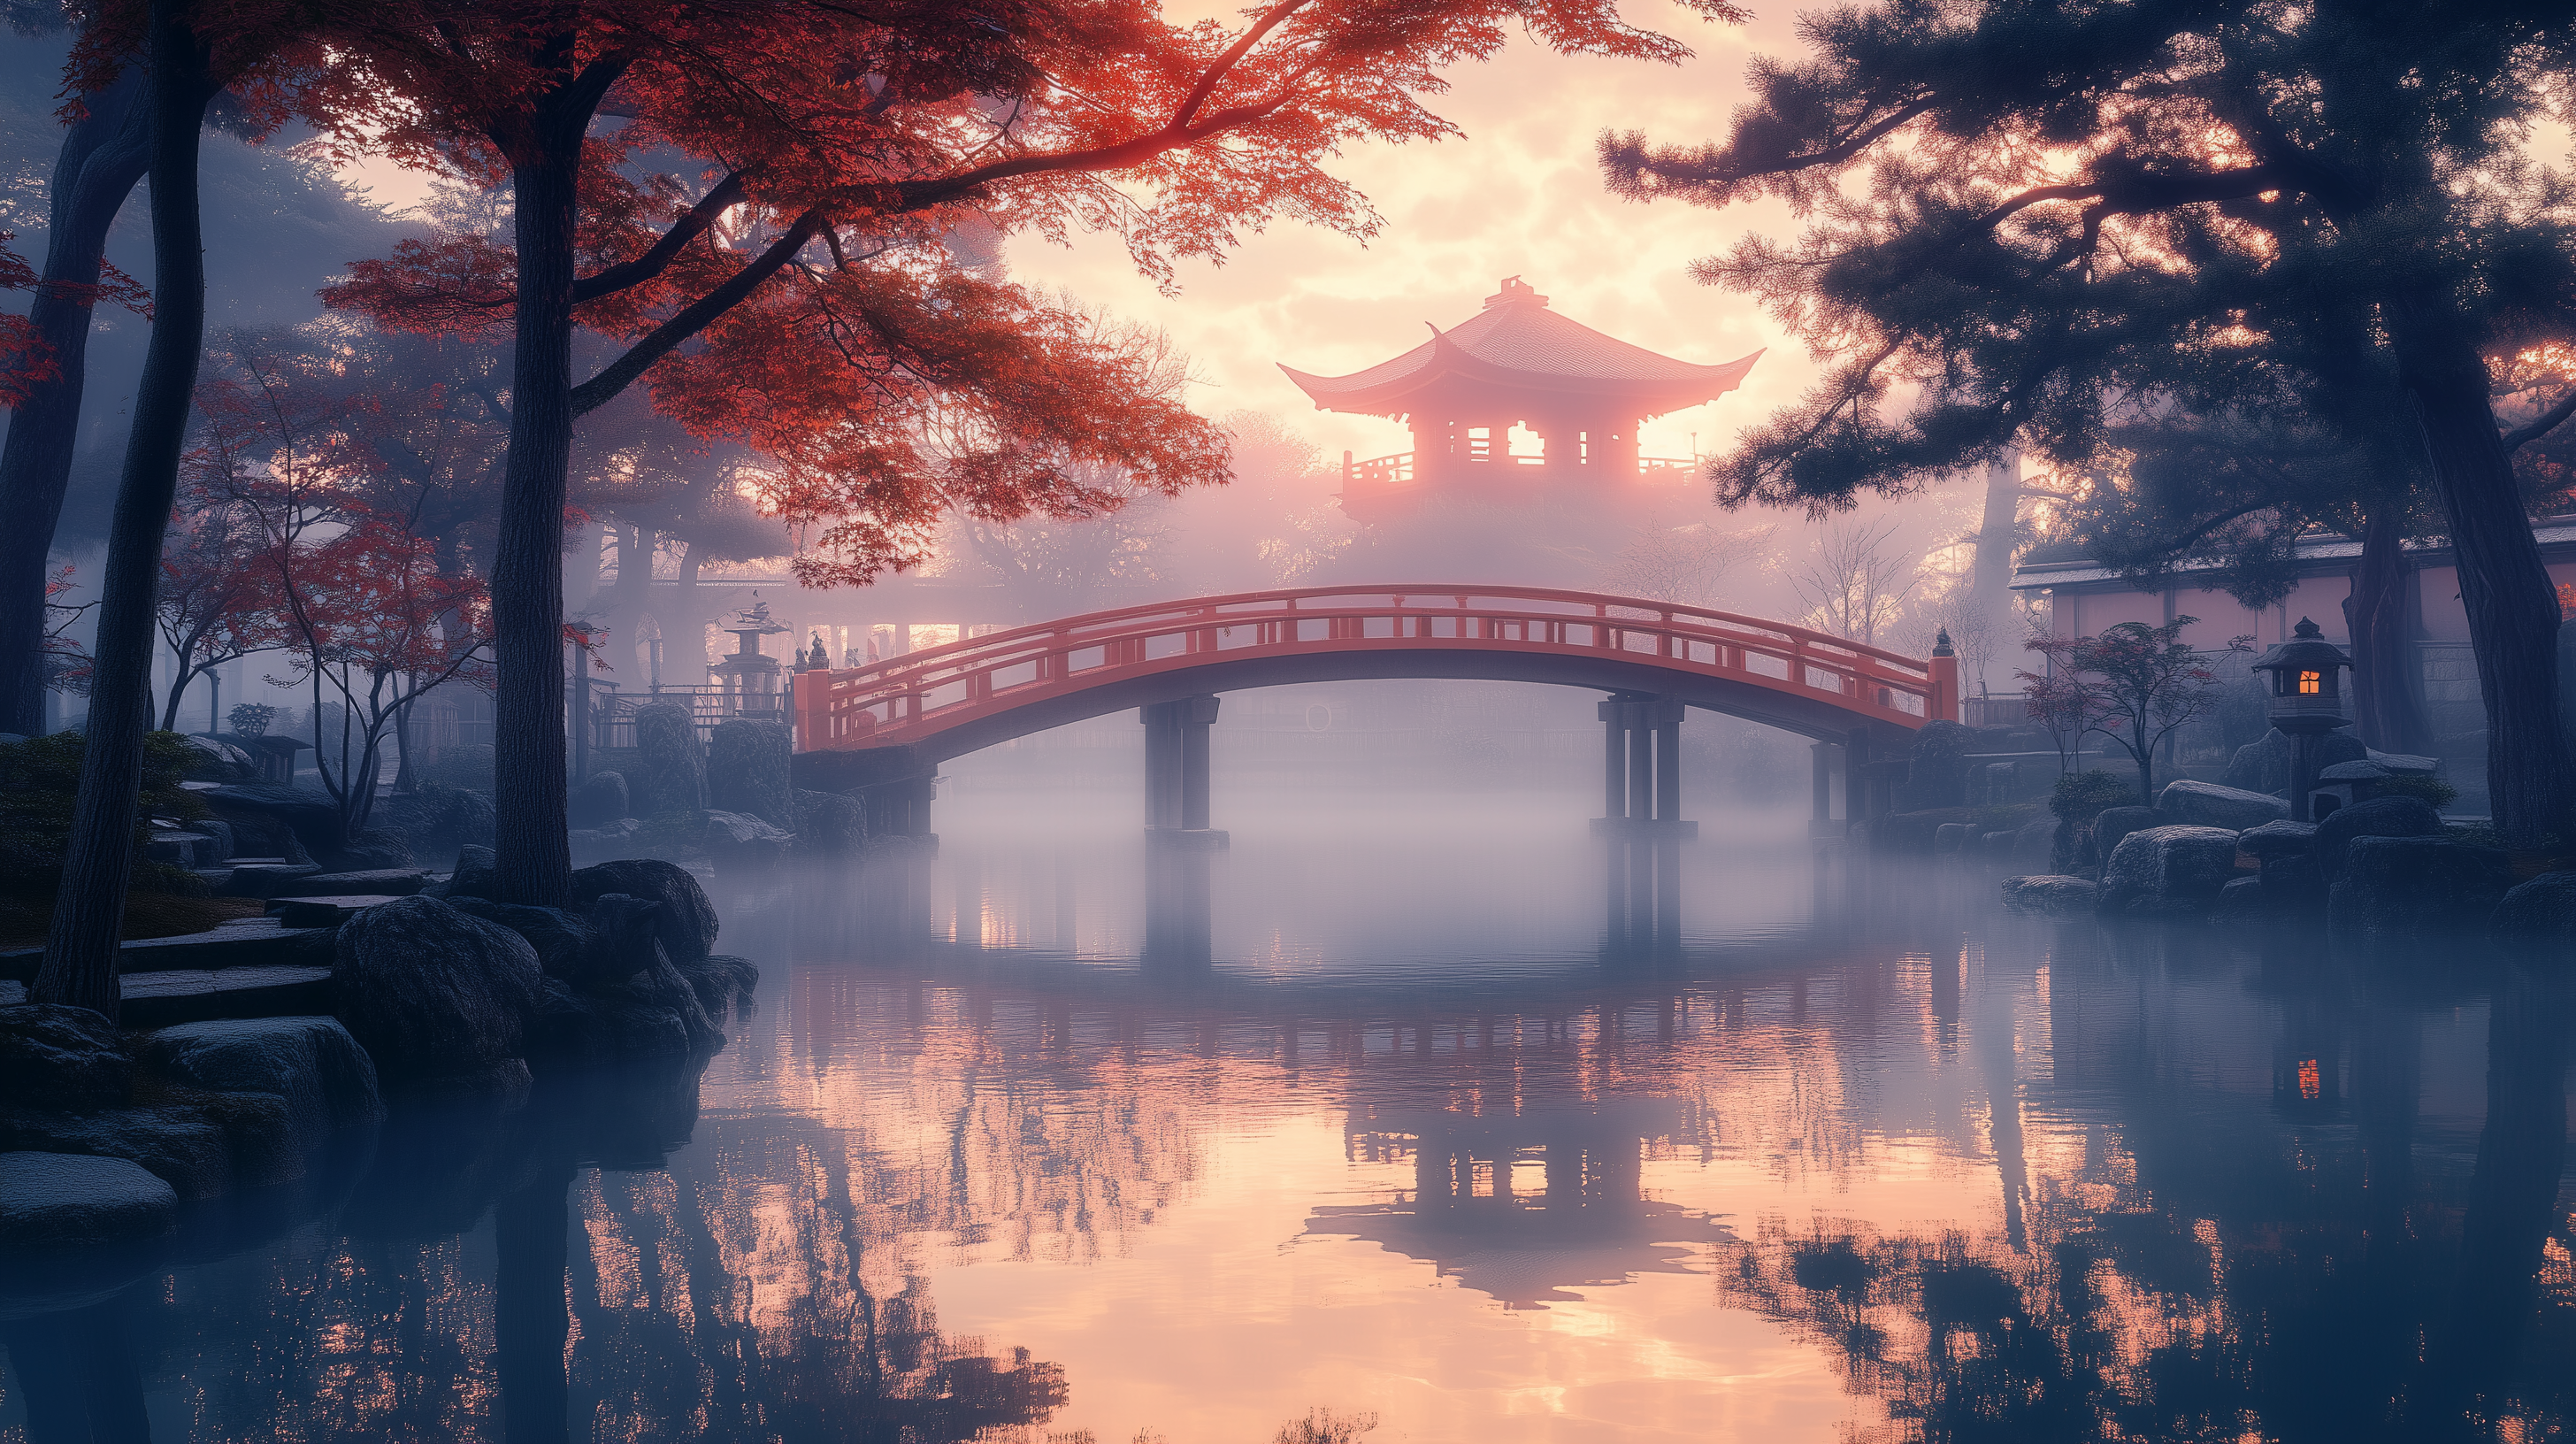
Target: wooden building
{"x":2074,"y":597}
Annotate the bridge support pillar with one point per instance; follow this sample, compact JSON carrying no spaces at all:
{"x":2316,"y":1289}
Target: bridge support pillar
{"x":1176,"y":771}
{"x":1641,"y":768}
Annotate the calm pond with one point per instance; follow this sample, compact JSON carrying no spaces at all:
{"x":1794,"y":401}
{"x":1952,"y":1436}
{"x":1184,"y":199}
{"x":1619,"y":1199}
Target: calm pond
{"x":1389,"y":1111}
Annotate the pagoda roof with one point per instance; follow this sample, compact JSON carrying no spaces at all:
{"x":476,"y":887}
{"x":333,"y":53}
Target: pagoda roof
{"x":1517,"y":343}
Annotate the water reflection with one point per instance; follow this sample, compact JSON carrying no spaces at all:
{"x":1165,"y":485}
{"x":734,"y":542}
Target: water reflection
{"x":1038,"y":1136}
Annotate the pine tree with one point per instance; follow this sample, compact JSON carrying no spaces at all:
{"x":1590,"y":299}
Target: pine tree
{"x":2057,"y":221}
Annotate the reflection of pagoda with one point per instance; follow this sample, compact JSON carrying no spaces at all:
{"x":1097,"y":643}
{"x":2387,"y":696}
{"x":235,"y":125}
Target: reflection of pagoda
{"x":1516,"y":363}
{"x":1524,"y":1205}
{"x":750,"y":678}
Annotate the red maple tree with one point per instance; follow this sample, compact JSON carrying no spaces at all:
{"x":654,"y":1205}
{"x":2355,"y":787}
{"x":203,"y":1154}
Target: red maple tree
{"x":770,"y":194}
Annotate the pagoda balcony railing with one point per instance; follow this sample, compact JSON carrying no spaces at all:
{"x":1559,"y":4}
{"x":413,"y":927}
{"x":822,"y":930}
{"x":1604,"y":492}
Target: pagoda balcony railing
{"x":1398,"y":469}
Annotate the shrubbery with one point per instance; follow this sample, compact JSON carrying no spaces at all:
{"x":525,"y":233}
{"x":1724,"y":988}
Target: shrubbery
{"x":2433,"y":790}
{"x":2079,"y":797}
{"x":39,"y":787}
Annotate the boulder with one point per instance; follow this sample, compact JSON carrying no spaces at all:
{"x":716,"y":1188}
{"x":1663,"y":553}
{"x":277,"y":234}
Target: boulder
{"x":218,"y":832}
{"x":2035,"y":846}
{"x":618,"y":835}
{"x":374,"y":882}
{"x":829,"y":824}
{"x":2379,"y":817}
{"x":61,"y":1058}
{"x":722,"y":981}
{"x":735,"y":838}
{"x":376,"y":848}
{"x":2414,"y":884}
{"x":311,"y":817}
{"x":584,"y":1029}
{"x":599,"y":800}
{"x":687,"y":925}
{"x":2264,"y":765}
{"x":270,"y":840}
{"x":2242,"y":895}
{"x":327,"y":1080}
{"x":477,"y":874}
{"x":432,"y":992}
{"x":2050,"y":893}
{"x":2206,"y":804}
{"x":2170,"y":869}
{"x":212,"y":759}
{"x":186,"y":1148}
{"x":69,"y":1200}
{"x":1952,"y":836}
{"x":747,"y":764}
{"x":438,"y":818}
{"x":2115,"y":823}
{"x":2277,"y":840}
{"x":2541,"y":910}
{"x":627,"y":959}
{"x":670,"y":773}
{"x":559,"y":937}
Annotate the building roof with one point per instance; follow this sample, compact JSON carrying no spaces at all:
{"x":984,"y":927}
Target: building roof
{"x":1516,"y":342}
{"x":2065,"y":565}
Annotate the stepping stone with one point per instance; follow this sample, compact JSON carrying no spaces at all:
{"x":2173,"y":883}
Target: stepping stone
{"x":157,"y":1000}
{"x":376,"y":882}
{"x":321,"y":912}
{"x":252,"y":942}
{"x":179,"y":847}
{"x":71,"y":1200}
{"x":268,"y":879}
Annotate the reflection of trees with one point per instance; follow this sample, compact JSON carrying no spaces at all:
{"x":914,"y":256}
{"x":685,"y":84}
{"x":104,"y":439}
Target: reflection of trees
{"x":2332,"y":1293}
{"x":759,"y":1287}
{"x":730,"y":1299}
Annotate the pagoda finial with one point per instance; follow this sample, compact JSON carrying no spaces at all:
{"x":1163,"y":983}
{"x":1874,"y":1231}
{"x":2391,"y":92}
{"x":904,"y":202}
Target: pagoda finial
{"x":1514,"y":289}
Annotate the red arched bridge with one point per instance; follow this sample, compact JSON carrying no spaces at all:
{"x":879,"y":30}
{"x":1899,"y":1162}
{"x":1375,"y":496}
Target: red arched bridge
{"x":876,"y":727}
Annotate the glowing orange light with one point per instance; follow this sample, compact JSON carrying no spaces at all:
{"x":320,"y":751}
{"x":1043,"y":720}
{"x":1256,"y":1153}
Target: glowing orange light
{"x":2308,"y":684}
{"x":2309,"y":1084}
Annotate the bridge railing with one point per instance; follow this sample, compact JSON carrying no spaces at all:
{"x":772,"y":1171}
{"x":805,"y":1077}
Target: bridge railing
{"x":912,"y":696}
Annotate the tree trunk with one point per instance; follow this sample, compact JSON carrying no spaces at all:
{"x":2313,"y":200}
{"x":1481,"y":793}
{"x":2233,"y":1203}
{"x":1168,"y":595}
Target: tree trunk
{"x":2513,"y":609}
{"x":528,"y":778}
{"x":2143,"y":750}
{"x":101,"y":159}
{"x":178,"y":689}
{"x":89,"y":911}
{"x":2383,"y":702}
{"x":1990,"y":578}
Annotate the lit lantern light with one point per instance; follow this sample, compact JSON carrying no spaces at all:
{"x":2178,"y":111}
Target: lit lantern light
{"x":2306,"y":702}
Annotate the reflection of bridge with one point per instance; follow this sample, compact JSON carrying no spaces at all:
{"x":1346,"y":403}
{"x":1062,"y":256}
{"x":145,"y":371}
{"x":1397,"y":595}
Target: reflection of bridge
{"x":888,"y":727}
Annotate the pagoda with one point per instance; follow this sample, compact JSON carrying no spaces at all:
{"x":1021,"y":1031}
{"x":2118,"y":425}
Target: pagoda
{"x":1515,"y":363}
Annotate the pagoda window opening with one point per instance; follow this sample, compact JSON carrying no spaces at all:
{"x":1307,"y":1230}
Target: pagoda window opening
{"x":1480,"y":443}
{"x":1527,"y":446}
{"x":1583,"y":448}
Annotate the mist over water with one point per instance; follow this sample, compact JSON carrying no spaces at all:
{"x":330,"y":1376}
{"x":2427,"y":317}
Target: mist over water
{"x":1383,"y":1113}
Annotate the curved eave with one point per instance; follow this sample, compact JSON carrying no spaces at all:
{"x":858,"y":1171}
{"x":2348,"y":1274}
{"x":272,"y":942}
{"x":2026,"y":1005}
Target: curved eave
{"x":1451,"y":362}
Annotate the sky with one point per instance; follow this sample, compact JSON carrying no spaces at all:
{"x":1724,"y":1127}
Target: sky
{"x":1520,"y":194}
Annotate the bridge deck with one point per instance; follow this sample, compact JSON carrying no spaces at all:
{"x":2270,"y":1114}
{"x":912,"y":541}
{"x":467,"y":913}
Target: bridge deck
{"x":914,"y":698}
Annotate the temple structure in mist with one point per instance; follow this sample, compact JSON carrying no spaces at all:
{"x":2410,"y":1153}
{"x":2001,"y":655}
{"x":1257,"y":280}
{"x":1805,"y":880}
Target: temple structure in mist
{"x":1580,"y":395}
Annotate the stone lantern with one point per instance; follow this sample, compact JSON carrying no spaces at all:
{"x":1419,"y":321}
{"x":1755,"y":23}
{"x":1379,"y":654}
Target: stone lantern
{"x":2306,"y":702}
{"x":749,"y":678}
